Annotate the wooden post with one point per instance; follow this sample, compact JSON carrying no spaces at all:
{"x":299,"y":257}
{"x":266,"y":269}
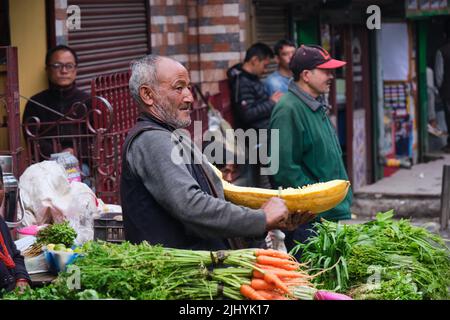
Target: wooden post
{"x":445,"y":198}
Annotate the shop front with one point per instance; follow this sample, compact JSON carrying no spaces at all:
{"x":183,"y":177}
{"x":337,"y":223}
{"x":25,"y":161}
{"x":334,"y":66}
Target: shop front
{"x":432,"y":22}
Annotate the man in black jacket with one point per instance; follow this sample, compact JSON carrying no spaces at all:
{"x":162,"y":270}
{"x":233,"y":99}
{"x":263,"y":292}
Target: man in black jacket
{"x":61,"y":67}
{"x":13,"y":273}
{"x":251,"y":105}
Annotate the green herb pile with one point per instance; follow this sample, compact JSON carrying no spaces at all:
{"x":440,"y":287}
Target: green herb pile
{"x":127,"y":271}
{"x":381,"y":259}
{"x":57,"y":233}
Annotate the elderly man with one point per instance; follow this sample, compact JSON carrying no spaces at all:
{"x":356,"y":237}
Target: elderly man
{"x":310,"y":151}
{"x":178,"y":204}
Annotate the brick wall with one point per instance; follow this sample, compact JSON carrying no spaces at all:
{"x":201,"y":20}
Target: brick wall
{"x":169,"y":25}
{"x":206,"y":35}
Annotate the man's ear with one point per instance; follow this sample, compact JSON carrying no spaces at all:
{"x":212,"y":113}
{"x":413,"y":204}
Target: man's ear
{"x":305,"y":74}
{"x":146,"y":94}
{"x":254,"y":60}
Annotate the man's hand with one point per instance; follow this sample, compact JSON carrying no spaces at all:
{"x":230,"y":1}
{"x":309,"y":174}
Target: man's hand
{"x":22,"y":285}
{"x":276,"y":96}
{"x":297,"y":219}
{"x":276,"y":212}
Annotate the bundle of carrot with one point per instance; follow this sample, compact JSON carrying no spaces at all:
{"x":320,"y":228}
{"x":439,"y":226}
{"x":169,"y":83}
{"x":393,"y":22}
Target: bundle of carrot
{"x":265,"y":274}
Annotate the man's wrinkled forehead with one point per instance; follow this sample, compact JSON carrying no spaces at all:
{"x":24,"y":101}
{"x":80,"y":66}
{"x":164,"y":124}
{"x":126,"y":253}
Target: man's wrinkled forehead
{"x":167,"y":70}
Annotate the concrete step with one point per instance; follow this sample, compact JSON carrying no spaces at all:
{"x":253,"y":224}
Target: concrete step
{"x":414,"y":192}
{"x":367,"y":204}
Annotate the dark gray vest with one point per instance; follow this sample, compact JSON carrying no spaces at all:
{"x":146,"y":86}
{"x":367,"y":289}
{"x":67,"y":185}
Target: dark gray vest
{"x":144,"y":218}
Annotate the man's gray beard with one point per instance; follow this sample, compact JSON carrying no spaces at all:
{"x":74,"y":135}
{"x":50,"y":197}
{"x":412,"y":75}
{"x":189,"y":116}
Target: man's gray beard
{"x":170,"y":118}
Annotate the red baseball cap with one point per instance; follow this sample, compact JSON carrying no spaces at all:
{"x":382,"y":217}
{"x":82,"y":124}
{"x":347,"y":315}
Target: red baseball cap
{"x":312,"y":57}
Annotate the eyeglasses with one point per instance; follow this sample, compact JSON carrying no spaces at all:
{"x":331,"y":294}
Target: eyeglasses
{"x":60,"y":66}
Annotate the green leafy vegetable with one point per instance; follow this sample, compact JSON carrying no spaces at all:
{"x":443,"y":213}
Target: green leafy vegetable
{"x":401,"y":260}
{"x":57,"y":233}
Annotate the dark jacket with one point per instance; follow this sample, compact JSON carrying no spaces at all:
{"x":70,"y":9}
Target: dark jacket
{"x":444,"y":90}
{"x":176,"y":205}
{"x":8,"y":277}
{"x":252,"y":106}
{"x":60,"y":100}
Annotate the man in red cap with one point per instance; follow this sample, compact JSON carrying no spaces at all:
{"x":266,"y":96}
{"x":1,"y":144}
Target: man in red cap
{"x":310,"y":150}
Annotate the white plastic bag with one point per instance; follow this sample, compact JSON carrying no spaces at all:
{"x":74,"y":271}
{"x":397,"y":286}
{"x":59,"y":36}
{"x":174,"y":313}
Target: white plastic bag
{"x":48,"y":197}
{"x":275,"y":240}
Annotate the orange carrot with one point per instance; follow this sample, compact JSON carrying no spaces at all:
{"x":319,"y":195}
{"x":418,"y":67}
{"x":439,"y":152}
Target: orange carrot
{"x":267,"y":267}
{"x":271,"y":295}
{"x":273,"y":253}
{"x":273,"y":279}
{"x":266,"y":294}
{"x":280,"y":272}
{"x":277,"y":262}
{"x":258,"y":275}
{"x":283,"y":273}
{"x":260,"y":284}
{"x":300,"y":273}
{"x":270,"y":268}
{"x":300,"y":277}
{"x":250,"y":293}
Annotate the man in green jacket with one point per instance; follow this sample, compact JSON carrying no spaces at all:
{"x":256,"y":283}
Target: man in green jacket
{"x":309,"y":150}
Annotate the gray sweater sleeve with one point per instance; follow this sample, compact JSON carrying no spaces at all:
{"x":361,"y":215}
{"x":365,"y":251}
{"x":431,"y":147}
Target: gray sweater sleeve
{"x":180,"y":195}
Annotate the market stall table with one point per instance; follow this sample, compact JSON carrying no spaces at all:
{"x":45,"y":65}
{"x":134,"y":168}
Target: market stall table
{"x":41,"y":279}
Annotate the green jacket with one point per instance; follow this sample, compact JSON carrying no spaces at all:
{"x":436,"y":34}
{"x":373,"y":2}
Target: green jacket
{"x":309,"y":150}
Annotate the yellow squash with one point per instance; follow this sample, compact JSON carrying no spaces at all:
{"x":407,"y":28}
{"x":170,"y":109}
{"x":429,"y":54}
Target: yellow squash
{"x":316,"y":198}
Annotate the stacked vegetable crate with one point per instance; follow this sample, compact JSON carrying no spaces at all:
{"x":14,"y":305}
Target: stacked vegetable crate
{"x":109,"y":227}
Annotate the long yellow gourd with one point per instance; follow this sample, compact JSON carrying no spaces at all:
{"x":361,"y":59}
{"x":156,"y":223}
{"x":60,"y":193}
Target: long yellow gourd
{"x":315,"y":198}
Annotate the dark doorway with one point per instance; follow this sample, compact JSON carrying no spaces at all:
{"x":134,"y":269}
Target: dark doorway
{"x":5,"y":38}
{"x":438,"y":31}
{"x":338,"y":52}
{"x":437,"y":28}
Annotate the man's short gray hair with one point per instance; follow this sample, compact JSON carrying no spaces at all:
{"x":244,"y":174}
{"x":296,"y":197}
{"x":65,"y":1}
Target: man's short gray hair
{"x":143,"y":71}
